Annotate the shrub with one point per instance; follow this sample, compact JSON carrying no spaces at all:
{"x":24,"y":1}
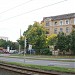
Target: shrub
{"x":45,"y":52}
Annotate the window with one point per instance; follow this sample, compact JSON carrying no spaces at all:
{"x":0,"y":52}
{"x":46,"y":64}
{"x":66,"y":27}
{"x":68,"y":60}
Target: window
{"x":67,"y":21}
{"x":47,"y":23}
{"x":67,"y":29}
{"x":61,"y":22}
{"x":55,"y":23}
{"x":61,"y":29}
{"x":55,"y":31}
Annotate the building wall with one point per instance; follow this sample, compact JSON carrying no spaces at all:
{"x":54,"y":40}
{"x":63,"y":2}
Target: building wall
{"x":55,"y":25}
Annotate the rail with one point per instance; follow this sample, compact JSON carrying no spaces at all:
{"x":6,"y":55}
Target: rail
{"x":26,"y":71}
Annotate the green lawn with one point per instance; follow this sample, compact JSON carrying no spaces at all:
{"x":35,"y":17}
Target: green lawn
{"x":47,"y":68}
{"x":43,"y":56}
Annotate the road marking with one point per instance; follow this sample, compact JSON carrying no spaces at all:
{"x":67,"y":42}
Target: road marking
{"x":29,"y":61}
{"x":58,"y":64}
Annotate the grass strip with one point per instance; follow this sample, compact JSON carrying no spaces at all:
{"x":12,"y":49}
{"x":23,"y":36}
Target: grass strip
{"x":47,"y":56}
{"x":50,"y":59}
{"x":46,"y":68}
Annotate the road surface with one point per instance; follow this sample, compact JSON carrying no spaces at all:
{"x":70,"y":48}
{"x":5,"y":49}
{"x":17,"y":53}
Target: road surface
{"x":40,"y":62}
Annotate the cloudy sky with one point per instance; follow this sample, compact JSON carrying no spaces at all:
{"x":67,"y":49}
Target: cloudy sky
{"x":19,"y":14}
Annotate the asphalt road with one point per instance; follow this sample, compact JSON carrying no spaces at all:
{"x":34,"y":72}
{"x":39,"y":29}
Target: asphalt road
{"x":41,"y":62}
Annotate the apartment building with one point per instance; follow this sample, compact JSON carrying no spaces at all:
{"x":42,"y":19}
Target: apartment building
{"x":60,"y":23}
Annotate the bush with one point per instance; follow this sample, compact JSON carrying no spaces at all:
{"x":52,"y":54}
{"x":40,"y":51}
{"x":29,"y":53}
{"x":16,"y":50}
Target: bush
{"x":45,"y":52}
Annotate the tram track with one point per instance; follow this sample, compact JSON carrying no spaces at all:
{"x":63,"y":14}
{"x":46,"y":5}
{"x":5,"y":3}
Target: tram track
{"x":26,"y":71}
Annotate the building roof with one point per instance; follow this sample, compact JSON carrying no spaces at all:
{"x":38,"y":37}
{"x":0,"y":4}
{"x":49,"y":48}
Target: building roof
{"x":60,"y":17}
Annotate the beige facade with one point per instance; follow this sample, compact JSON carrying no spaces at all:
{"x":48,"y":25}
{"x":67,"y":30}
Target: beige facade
{"x":61,"y":23}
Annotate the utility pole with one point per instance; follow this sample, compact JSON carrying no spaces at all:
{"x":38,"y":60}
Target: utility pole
{"x":19,"y":44}
{"x":24,"y":48}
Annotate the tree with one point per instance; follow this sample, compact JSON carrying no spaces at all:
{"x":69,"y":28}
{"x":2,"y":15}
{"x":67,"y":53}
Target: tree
{"x":36,"y":35}
{"x":51,"y":40}
{"x":72,"y":42}
{"x":21,"y":41}
{"x":67,"y":42}
{"x":61,"y":42}
{"x":3,"y":43}
{"x":14,"y":46}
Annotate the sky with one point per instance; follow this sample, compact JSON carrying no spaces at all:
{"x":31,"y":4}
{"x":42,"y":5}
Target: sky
{"x":16,"y":15}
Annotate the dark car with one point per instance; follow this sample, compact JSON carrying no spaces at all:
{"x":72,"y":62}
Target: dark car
{"x":32,"y":51}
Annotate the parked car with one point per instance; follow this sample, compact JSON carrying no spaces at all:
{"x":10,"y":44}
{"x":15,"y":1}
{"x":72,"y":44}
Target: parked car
{"x":32,"y":51}
{"x":13,"y":51}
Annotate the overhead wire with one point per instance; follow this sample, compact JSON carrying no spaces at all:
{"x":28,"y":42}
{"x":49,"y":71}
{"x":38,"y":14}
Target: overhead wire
{"x":15,"y":7}
{"x":34,"y":10}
